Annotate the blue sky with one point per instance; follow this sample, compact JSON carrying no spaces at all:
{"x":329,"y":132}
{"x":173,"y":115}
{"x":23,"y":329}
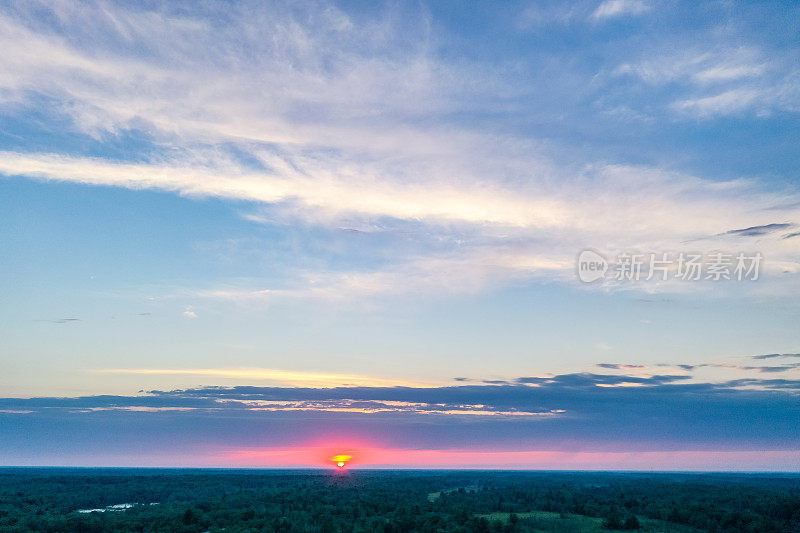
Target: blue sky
{"x":378,"y":195}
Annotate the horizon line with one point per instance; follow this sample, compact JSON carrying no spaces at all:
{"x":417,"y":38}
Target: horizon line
{"x":399,"y":469}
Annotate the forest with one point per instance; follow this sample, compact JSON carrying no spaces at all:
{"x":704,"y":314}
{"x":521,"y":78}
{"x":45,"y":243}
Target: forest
{"x":143,"y":500}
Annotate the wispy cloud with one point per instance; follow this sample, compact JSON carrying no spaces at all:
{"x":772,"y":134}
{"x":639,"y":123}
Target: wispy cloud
{"x":338,"y":120}
{"x":724,"y":103}
{"x":62,"y":320}
{"x":618,"y":8}
{"x":316,"y":189}
{"x":719,"y":75}
{"x":541,"y":228}
{"x":756,"y":231}
{"x":776,"y":355}
{"x":646,"y":373}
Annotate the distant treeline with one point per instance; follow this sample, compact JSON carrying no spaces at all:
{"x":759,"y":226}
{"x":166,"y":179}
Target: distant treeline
{"x":48,"y":500}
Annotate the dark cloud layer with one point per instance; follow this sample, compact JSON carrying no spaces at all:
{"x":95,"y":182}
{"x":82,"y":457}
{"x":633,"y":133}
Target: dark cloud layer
{"x":784,"y":367}
{"x":581,"y":411}
{"x":776,"y":355}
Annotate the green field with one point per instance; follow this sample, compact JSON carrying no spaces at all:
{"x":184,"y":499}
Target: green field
{"x":549,"y":521}
{"x":53,"y":500}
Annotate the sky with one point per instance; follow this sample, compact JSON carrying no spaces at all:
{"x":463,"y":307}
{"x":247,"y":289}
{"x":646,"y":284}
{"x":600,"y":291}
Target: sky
{"x":266,"y":233}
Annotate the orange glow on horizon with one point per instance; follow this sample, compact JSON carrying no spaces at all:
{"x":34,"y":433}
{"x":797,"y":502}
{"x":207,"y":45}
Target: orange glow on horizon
{"x":378,"y":457}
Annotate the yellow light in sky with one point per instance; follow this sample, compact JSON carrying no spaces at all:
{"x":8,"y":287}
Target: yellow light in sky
{"x":341,"y":460}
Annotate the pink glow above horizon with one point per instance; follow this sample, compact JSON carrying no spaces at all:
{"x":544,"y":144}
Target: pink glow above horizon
{"x":376,"y":457}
